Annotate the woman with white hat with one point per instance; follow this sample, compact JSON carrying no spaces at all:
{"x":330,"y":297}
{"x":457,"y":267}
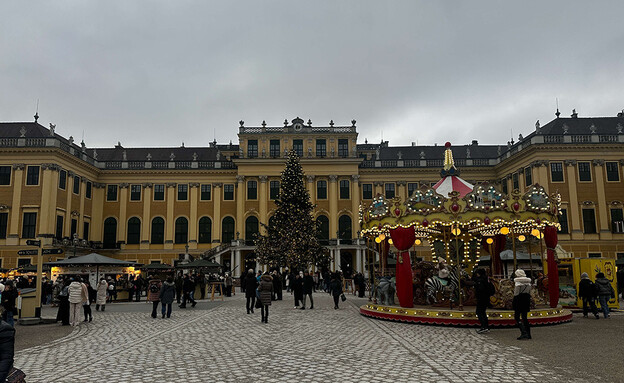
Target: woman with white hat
{"x":522,"y":303}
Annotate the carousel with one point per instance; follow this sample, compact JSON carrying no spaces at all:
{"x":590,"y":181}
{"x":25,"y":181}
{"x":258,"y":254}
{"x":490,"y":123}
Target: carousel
{"x":460,"y":221}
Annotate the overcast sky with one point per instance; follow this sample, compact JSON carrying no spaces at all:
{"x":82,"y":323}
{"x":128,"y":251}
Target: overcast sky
{"x":156,"y":73}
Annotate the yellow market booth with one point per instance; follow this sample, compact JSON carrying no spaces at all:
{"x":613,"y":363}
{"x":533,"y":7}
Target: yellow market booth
{"x":570,"y":271}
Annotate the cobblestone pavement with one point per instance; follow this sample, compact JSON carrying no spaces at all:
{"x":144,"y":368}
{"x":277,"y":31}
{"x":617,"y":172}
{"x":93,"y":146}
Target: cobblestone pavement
{"x":224,"y":344}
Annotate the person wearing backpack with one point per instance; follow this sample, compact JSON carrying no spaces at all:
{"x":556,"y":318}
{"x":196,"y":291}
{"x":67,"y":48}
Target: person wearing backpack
{"x":522,"y":303}
{"x":587,"y":292}
{"x":153,"y":294}
{"x":484,"y":289}
{"x":605,"y":292}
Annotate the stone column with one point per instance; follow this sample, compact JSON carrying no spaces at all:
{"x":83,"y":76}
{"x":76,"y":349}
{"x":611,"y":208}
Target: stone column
{"x":83,"y":194}
{"x":379,"y":188}
{"x":263,"y":199}
{"x":97,"y":211}
{"x":237,"y":262}
{"x":541,"y":174}
{"x":14,"y":224}
{"x":355,"y":205}
{"x":240,"y":204}
{"x":402,"y":189}
{"x":123,"y":204}
{"x":147,"y":216}
{"x":47,"y":209}
{"x":603,"y":217}
{"x":68,"y":206}
{"x":333,"y":204}
{"x":311,"y":188}
{"x":216,"y":222}
{"x":358,"y":260}
{"x":575,"y":216}
{"x":193,"y":222}
{"x":169,"y":222}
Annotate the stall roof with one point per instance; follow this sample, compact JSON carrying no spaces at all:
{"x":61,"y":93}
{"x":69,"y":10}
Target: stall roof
{"x":199,"y":264}
{"x":92,"y":259}
{"x":156,"y":266}
{"x":31,"y":268}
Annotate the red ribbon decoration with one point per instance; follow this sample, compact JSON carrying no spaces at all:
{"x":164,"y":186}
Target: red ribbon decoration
{"x":550,"y":237}
{"x":403,"y":239}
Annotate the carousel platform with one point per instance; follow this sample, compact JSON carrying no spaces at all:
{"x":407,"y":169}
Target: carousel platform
{"x":467,"y":318}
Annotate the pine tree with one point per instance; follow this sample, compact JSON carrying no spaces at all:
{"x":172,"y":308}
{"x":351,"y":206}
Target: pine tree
{"x":291,"y":236}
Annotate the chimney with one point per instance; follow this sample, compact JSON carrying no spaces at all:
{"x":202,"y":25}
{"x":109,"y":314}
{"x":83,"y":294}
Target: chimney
{"x":413,"y":143}
{"x":574,"y":114}
{"x":475,"y":142}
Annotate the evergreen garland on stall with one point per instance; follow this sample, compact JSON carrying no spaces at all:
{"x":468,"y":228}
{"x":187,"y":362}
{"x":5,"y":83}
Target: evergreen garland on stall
{"x":292,"y":234}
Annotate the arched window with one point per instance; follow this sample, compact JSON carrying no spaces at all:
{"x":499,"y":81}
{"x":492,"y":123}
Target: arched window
{"x":344,"y":227}
{"x":181,"y":230}
{"x":227,"y":230}
{"x":158,"y":231}
{"x":251,"y":229}
{"x":134,"y":231}
{"x":323,"y":225}
{"x":110,"y":233}
{"x":205,"y":230}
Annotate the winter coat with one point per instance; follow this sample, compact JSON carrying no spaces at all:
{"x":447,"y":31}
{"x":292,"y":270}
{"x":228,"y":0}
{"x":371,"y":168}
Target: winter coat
{"x":586,"y":289}
{"x":266,"y":289}
{"x":188,"y":285}
{"x":277,"y":283}
{"x":8,"y":300}
{"x":153,"y":291}
{"x":7,"y":349}
{"x":167,"y":293}
{"x":482,"y":290}
{"x":75,"y":292}
{"x":250,"y":285}
{"x":604,"y":287}
{"x":297,"y":287}
{"x":308,"y":284}
{"x":227,"y":281}
{"x":522,"y":295}
{"x":101,"y":293}
{"x":335,"y":286}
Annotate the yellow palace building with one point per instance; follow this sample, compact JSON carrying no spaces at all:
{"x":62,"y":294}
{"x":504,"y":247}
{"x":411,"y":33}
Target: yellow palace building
{"x":156,"y":204}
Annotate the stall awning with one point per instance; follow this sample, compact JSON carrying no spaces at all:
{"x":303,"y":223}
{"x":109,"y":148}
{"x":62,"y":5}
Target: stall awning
{"x":91,"y":259}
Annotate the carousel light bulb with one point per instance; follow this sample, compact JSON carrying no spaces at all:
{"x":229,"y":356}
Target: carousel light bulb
{"x":535,"y":232}
{"x":504,"y":230}
{"x":382,"y":236}
{"x":390,"y":241}
{"x":417,"y":242}
{"x":489,"y":241}
{"x":521,"y":238}
{"x":456,"y":231}
{"x":378,"y":240}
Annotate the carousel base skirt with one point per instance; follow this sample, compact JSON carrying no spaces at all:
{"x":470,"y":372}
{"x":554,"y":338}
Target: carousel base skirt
{"x":467,"y":317}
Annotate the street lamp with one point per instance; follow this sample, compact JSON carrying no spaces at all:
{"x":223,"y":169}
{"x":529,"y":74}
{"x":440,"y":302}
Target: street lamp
{"x":75,"y":242}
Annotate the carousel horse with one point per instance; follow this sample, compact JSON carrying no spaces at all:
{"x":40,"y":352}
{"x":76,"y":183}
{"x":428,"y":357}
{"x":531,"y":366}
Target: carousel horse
{"x":385,"y":291}
{"x":435,"y":284}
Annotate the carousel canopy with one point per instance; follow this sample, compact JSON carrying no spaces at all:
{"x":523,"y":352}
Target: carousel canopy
{"x":91,"y":259}
{"x":450,"y":184}
{"x":199,"y":264}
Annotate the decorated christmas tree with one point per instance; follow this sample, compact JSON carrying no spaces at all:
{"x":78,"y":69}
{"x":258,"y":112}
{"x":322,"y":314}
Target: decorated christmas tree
{"x":291,"y":236}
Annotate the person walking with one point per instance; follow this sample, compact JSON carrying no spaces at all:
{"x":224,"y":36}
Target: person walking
{"x":307,"y":287}
{"x":605,"y":292}
{"x":277,"y":286}
{"x":187,"y":288}
{"x":335,"y":288}
{"x":587,"y":292}
{"x":166,"y":296}
{"x":484,"y":289}
{"x":75,"y":301}
{"x":9,"y":295}
{"x":7,"y":349}
{"x":56,"y":289}
{"x":63,"y":310}
{"x":297,"y":288}
{"x":86,"y":303}
{"x":100,"y":297}
{"x":522,"y":303}
{"x":251,"y":283}
{"x":266,"y":293}
{"x":179,"y":282}
{"x":201,"y":280}
{"x":228,"y":282}
{"x":153,"y":295}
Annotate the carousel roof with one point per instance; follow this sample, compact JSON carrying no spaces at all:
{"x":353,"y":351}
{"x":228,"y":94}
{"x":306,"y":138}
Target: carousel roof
{"x":91,"y":259}
{"x":449,"y":184}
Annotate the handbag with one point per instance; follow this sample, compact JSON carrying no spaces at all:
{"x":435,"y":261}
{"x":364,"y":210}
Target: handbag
{"x":258,"y":303}
{"x":16,"y":376}
{"x":342,"y":297}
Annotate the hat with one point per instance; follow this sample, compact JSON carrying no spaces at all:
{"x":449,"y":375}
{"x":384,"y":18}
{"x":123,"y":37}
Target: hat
{"x":520,"y":273}
{"x":250,"y":271}
{"x":600,"y":275}
{"x":584,"y":276}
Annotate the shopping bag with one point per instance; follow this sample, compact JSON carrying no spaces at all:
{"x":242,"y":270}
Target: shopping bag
{"x":342,"y":297}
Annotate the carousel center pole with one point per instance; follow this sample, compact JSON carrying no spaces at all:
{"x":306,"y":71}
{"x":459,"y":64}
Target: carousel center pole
{"x":513,"y":243}
{"x":459,"y":288}
{"x":530,"y":257}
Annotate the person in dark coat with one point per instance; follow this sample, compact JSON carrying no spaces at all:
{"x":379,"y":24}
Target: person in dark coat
{"x":522,"y":303}
{"x":307,"y":287}
{"x":250,"y":290}
{"x":63,"y":308}
{"x":179,"y":282}
{"x":277,"y":286}
{"x":335,"y":288}
{"x":187,"y":287}
{"x":587,"y":292}
{"x":9,"y":295}
{"x":297,"y":288}
{"x":266,"y":293}
{"x":167,"y":295}
{"x":483,"y":291}
{"x":605,"y":292}
{"x":360,"y":282}
{"x":7,"y":349}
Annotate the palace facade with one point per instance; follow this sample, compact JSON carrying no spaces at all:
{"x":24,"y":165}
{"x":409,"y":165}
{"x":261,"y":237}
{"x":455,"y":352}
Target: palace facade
{"x":157,"y":204}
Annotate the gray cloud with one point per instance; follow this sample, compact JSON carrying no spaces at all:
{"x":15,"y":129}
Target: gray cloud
{"x":158,"y":73}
